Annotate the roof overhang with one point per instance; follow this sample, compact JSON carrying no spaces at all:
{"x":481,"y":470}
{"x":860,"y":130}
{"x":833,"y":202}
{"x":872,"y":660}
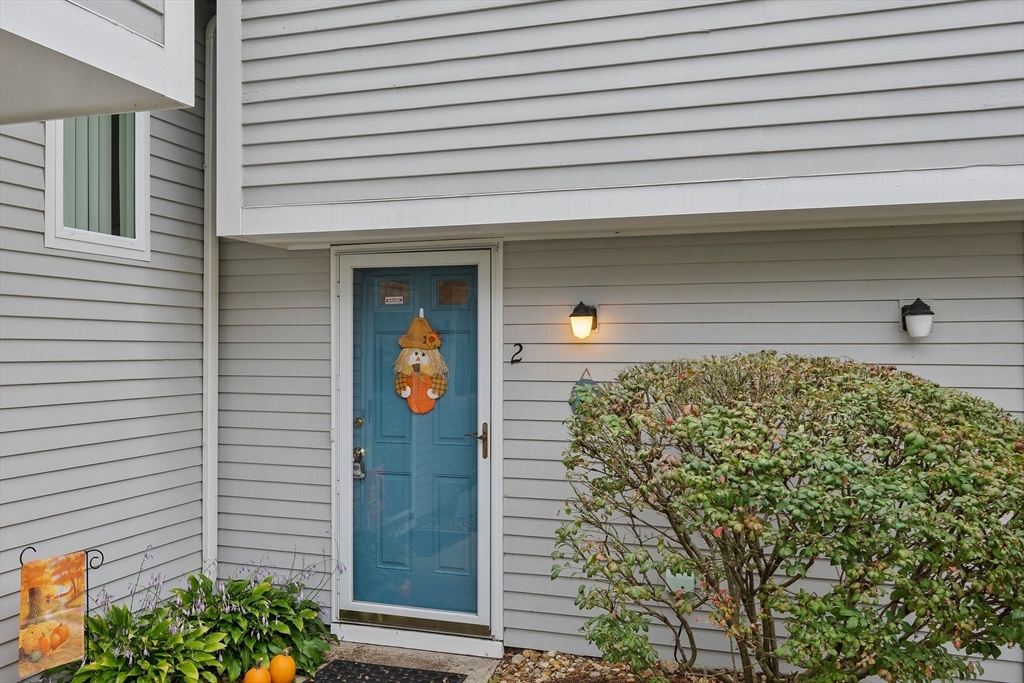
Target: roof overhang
{"x":988,"y":193}
{"x":58,"y":59}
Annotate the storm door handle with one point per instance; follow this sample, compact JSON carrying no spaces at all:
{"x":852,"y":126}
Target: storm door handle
{"x":481,"y":437}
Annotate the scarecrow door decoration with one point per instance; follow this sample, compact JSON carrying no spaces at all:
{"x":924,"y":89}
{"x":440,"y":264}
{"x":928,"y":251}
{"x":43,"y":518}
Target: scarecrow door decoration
{"x":420,"y":371}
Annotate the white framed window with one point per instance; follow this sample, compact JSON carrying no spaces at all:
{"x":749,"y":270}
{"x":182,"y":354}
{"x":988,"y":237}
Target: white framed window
{"x":97,"y":185}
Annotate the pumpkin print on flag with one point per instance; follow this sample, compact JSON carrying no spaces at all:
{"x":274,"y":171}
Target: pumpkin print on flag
{"x":420,"y":371}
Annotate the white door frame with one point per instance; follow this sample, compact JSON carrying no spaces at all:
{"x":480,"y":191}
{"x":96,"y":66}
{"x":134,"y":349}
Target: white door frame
{"x":487,"y":257}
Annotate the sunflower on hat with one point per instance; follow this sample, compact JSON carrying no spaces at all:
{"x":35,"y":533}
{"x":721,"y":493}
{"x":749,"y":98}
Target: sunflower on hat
{"x":420,"y":368}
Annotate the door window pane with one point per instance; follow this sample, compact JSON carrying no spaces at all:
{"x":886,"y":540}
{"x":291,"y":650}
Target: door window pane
{"x":392,"y":292}
{"x":450,"y":292}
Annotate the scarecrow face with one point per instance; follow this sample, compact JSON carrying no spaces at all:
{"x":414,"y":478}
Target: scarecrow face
{"x":424,"y":361}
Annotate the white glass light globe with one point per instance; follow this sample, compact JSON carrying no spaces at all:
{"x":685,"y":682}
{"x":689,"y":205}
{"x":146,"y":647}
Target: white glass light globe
{"x":919,"y":326}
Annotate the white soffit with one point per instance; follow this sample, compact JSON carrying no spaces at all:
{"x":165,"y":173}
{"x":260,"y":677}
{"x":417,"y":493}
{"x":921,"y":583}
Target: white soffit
{"x":58,"y":59}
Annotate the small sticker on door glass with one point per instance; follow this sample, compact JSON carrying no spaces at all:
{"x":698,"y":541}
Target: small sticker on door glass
{"x":392,"y":292}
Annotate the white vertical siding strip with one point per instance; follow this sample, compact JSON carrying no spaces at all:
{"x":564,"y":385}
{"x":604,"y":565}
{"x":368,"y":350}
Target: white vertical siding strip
{"x":229,"y":111}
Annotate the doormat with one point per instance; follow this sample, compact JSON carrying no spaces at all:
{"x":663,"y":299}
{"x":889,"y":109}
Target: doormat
{"x":340,"y":671}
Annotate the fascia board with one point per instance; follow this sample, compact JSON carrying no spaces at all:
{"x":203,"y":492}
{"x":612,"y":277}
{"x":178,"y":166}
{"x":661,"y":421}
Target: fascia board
{"x":179,"y":52}
{"x":838,"y":197}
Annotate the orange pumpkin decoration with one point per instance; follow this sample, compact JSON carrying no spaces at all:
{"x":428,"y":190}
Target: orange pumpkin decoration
{"x":282,"y":668}
{"x":418,"y":400}
{"x":44,"y":644}
{"x":55,"y":640}
{"x":257,"y":674}
{"x":63,"y":632}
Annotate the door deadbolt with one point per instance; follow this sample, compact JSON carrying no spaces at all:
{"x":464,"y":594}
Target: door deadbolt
{"x":358,"y":422}
{"x":358,"y":467}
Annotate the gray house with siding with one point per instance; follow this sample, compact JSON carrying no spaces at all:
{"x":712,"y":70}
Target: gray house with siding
{"x":714,"y":176}
{"x":101,"y":355}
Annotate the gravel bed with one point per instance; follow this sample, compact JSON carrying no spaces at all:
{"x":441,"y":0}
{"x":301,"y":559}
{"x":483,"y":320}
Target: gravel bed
{"x":530,"y":666}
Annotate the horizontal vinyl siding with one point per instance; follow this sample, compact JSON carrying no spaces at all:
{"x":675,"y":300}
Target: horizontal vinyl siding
{"x":101,"y":375}
{"x":145,"y":17}
{"x":275,"y":404}
{"x":823,"y":292}
{"x":347,"y":102}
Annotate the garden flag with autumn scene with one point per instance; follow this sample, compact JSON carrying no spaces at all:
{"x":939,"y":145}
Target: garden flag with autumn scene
{"x":52,"y":624}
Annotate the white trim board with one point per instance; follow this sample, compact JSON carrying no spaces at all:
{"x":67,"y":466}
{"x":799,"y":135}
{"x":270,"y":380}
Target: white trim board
{"x":984,"y":192}
{"x":229,"y":119}
{"x":58,"y":236}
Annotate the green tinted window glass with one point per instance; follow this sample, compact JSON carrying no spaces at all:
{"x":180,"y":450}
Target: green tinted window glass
{"x":99,"y":174}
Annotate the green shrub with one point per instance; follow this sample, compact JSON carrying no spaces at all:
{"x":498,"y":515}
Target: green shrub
{"x":260,"y":619}
{"x":151,"y":646}
{"x":761,"y":475}
{"x":208,"y":630}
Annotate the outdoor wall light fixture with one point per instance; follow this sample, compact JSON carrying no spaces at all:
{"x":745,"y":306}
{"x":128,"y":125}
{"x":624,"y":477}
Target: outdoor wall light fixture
{"x":917,"y":319}
{"x":583,"y":320}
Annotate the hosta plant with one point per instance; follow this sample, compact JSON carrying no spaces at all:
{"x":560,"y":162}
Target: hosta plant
{"x":209,"y":630}
{"x":152,"y":646}
{"x":261,"y":619}
{"x":845,"y":519}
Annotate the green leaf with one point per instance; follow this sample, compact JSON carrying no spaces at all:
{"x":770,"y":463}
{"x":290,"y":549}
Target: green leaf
{"x":234,"y":668}
{"x":188,"y":669}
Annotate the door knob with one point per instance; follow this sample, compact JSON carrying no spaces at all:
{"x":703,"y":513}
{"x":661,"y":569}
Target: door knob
{"x":481,"y":437}
{"x":358,"y":453}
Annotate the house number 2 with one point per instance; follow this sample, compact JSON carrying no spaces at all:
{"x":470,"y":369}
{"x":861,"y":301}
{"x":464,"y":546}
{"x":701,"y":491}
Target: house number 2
{"x":517,"y":357}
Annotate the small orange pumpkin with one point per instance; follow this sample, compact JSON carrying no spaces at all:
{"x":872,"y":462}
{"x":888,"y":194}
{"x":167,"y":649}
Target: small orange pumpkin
{"x":63,"y":632}
{"x":55,"y":640}
{"x":44,"y":644}
{"x":282,"y":668}
{"x":257,"y":674}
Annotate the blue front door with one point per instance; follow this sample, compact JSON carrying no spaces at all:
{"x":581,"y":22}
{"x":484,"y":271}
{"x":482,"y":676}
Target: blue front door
{"x":415,"y":387}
